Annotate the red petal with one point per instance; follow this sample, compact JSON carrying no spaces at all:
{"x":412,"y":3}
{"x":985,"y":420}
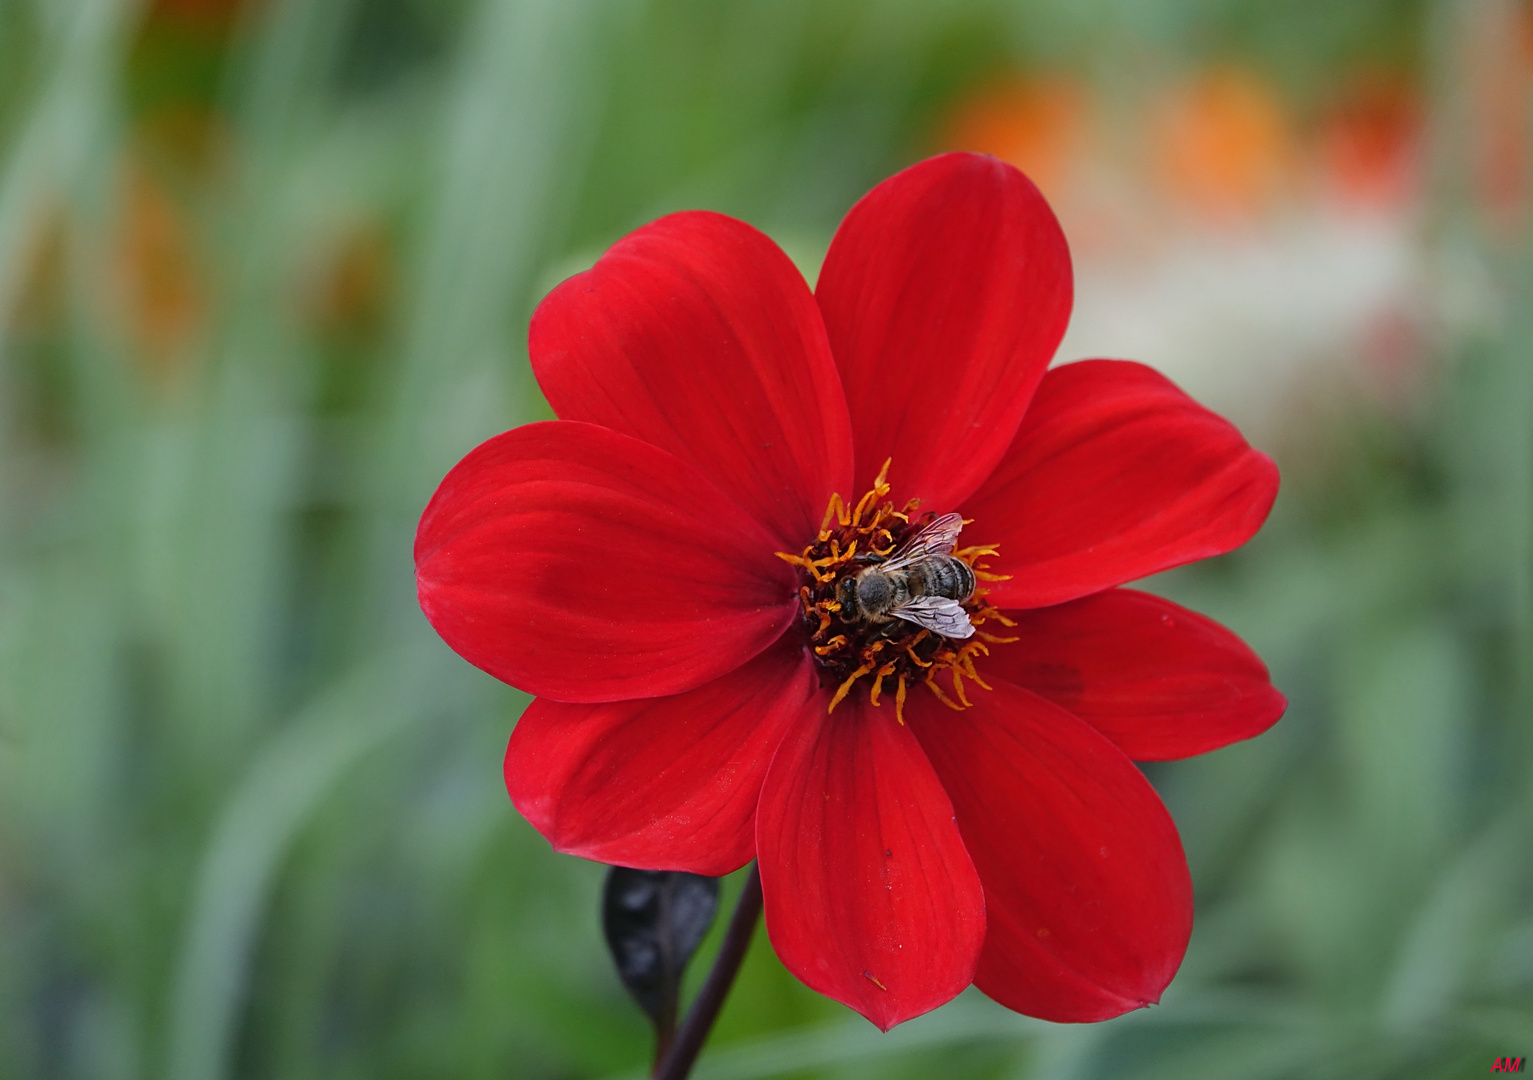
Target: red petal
{"x":1158,"y":680}
{"x":662,"y":783}
{"x":697,"y":334}
{"x":572,"y":561}
{"x":870,"y":896}
{"x":945,"y":292}
{"x":1115,"y":474}
{"x":1087,"y":895}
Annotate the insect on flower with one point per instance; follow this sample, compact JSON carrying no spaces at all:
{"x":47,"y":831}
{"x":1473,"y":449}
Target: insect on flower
{"x":921,"y":582}
{"x":782,"y":595}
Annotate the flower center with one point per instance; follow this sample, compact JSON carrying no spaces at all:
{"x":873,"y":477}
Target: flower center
{"x":888,"y":596}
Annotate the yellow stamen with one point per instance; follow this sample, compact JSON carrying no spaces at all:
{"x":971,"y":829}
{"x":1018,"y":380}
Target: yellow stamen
{"x":878,"y":681}
{"x":835,"y":508}
{"x":831,"y":646}
{"x":882,"y":479}
{"x":846,"y":687}
{"x":910,"y":649}
{"x":969,"y":554}
{"x":958,"y":686}
{"x":899,"y":701}
{"x":879,"y":490}
{"x":969,"y":668}
{"x":934,"y":688}
{"x":862,"y":504}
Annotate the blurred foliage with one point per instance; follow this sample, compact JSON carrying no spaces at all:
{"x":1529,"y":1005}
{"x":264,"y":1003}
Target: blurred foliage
{"x":264,"y":275}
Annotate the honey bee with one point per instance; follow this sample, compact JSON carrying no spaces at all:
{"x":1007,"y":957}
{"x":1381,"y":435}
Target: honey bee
{"x":921,"y":582}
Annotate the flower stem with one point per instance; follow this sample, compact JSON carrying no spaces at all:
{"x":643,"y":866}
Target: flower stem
{"x":665,"y":1034}
{"x":677,"y":1063}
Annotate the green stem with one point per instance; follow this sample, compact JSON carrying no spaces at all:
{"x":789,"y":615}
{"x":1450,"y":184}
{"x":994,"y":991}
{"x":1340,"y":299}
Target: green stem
{"x":710,"y":999}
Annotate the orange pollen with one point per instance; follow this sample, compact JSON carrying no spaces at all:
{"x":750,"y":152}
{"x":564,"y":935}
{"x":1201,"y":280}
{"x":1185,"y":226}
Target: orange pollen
{"x":849,"y":646}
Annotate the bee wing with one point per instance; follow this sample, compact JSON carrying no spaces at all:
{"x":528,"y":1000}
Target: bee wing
{"x":936,"y":537}
{"x":937,"y":614}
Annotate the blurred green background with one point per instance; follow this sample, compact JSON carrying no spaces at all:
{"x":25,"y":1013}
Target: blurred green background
{"x":265,"y":274}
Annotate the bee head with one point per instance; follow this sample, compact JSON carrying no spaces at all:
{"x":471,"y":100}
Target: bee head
{"x":846,"y":596}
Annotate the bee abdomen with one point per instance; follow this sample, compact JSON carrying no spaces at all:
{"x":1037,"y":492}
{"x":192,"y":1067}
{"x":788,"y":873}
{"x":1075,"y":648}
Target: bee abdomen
{"x":946,"y":575}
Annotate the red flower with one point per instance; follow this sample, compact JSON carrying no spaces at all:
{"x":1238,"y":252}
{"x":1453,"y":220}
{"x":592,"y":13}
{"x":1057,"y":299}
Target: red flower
{"x":664,"y":567}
